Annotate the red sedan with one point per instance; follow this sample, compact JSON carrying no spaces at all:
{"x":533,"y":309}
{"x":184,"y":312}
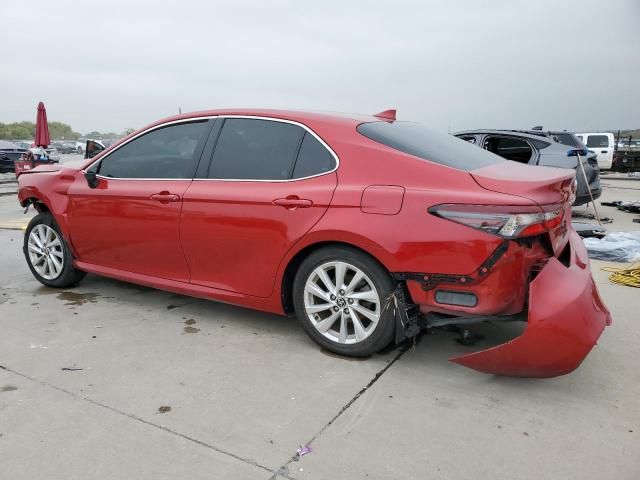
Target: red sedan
{"x":365,"y":227}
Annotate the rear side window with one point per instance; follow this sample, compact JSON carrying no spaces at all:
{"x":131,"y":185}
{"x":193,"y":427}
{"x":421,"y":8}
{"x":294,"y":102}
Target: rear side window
{"x":567,"y":139}
{"x":511,"y":148}
{"x":255,"y":149}
{"x":167,"y":152}
{"x":469,"y":138}
{"x":313,"y":159}
{"x":597,"y":141}
{"x":416,"y":140}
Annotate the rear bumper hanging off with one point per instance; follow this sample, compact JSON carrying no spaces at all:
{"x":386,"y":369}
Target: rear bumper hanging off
{"x":566,"y":317}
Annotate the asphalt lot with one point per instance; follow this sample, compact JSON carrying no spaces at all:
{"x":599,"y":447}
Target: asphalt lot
{"x":159,"y":385}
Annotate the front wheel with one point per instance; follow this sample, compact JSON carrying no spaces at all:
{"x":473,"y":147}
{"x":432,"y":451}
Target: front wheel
{"x":340,"y":297}
{"x":47,"y":254}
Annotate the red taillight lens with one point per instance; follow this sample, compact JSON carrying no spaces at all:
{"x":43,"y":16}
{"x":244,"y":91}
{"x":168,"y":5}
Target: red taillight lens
{"x":505,"y":221}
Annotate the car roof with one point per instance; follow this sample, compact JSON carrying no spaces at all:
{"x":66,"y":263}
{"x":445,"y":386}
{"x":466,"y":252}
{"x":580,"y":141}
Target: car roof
{"x":307,"y":117}
{"x":533,"y":134}
{"x":5,"y":144}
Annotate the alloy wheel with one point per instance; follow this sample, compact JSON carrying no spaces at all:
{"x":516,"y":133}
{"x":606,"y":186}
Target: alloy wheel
{"x":46,"y":251}
{"x":342,"y":302}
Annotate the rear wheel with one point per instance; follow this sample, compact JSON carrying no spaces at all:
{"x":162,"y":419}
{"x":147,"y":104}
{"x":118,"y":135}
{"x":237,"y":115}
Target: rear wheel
{"x":47,"y":254}
{"x":340,"y":295}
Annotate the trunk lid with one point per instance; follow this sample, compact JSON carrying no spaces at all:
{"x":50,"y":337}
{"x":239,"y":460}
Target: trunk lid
{"x":549,"y":188}
{"x":542,"y":185}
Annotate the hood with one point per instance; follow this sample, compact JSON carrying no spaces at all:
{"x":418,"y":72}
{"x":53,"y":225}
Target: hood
{"x":55,"y":167}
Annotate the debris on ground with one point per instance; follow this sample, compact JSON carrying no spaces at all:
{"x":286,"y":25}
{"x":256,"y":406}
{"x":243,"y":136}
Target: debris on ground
{"x":303,"y":450}
{"x":164,"y":409}
{"x":590,"y":216}
{"x":586,"y":230}
{"x":629,"y":277}
{"x":629,"y":207}
{"x":615,"y":247}
{"x":70,"y":369}
{"x":633,"y":207}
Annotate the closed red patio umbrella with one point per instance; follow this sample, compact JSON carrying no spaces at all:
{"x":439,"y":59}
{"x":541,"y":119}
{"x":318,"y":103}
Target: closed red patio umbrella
{"x":42,"y":138}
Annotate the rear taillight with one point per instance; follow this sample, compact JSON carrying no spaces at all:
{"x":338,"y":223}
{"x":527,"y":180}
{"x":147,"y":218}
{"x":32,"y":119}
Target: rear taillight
{"x":505,"y":221}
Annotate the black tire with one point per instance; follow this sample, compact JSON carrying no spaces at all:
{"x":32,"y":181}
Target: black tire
{"x":69,"y":275}
{"x":383,"y":333}
{"x":79,"y":150}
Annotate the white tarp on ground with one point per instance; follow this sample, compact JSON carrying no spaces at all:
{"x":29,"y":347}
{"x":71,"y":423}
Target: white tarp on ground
{"x":615,"y":247}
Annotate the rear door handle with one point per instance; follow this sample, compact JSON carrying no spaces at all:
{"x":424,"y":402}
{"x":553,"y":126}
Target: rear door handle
{"x":165,"y":197}
{"x":292,"y":202}
{"x":603,"y":151}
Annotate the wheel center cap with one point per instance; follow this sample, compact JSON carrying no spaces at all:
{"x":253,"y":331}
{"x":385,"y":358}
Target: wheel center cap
{"x":341,"y":302}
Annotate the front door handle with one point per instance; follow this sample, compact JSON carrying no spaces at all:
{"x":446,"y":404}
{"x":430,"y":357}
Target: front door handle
{"x":292,"y":202}
{"x":165,"y":197}
{"x":603,"y":151}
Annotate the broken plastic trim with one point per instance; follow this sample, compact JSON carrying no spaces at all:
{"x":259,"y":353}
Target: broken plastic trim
{"x":430,"y":280}
{"x":565,"y":319}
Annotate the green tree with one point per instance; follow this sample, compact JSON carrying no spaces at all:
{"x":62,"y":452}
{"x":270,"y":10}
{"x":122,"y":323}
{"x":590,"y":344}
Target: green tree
{"x":61,"y":131}
{"x":17,"y":130}
{"x":26,"y":131}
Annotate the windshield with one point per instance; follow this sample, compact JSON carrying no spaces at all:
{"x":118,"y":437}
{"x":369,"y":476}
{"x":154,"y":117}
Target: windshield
{"x":416,"y":140}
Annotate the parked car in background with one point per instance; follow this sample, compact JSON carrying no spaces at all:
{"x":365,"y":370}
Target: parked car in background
{"x":333,"y":218}
{"x":603,"y":144}
{"x":629,"y":143}
{"x":9,"y":153}
{"x":539,"y":148}
{"x":65,"y":146}
{"x":25,"y":144}
{"x":52,"y":152}
{"x":81,"y":145}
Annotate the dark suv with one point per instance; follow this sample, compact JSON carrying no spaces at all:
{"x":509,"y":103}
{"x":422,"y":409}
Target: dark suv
{"x":535,"y":147}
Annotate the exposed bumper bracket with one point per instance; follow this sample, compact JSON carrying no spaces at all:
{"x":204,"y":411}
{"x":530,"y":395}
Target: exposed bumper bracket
{"x":429,"y":281}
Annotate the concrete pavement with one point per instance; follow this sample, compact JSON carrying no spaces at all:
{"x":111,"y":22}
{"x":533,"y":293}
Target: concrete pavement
{"x":111,"y":380}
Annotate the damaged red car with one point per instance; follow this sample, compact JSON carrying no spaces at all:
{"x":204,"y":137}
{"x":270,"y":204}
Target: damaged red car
{"x":365,"y":228}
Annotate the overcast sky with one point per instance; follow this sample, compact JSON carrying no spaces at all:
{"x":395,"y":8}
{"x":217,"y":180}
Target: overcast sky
{"x":115,"y":64}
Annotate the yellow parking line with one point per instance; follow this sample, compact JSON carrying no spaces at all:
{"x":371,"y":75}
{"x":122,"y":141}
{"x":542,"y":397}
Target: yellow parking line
{"x":16,"y":225}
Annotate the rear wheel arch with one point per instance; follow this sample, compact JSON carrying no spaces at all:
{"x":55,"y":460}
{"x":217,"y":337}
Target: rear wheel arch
{"x":289,"y":274}
{"x":37,"y":203}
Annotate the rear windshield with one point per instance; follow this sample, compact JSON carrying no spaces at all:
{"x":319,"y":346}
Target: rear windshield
{"x":416,"y":140}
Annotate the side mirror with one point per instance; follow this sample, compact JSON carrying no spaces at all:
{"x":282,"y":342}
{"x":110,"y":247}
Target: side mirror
{"x":92,"y":148}
{"x":92,"y":179}
{"x":574,"y":152}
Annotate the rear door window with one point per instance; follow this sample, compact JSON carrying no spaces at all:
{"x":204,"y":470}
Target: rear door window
{"x":167,"y":152}
{"x":426,"y":144}
{"x":255,"y":149}
{"x":597,"y":141}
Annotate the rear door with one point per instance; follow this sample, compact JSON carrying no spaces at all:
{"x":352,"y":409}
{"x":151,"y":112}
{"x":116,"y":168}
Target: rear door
{"x":130,"y":221}
{"x":267,"y":183}
{"x":602,"y":144}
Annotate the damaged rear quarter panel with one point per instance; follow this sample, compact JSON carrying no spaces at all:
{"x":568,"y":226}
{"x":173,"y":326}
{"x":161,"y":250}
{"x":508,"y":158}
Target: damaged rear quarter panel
{"x":566,"y":318}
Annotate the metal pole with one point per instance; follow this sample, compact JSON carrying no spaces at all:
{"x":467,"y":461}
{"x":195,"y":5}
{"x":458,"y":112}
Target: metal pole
{"x":586,"y":181}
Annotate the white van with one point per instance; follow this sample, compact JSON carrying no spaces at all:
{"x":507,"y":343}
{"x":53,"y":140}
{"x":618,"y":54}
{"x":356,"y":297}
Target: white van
{"x":601,"y":143}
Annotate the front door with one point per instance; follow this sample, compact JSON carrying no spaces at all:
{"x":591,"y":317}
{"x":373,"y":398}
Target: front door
{"x":267,"y":184}
{"x":131,"y":220}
